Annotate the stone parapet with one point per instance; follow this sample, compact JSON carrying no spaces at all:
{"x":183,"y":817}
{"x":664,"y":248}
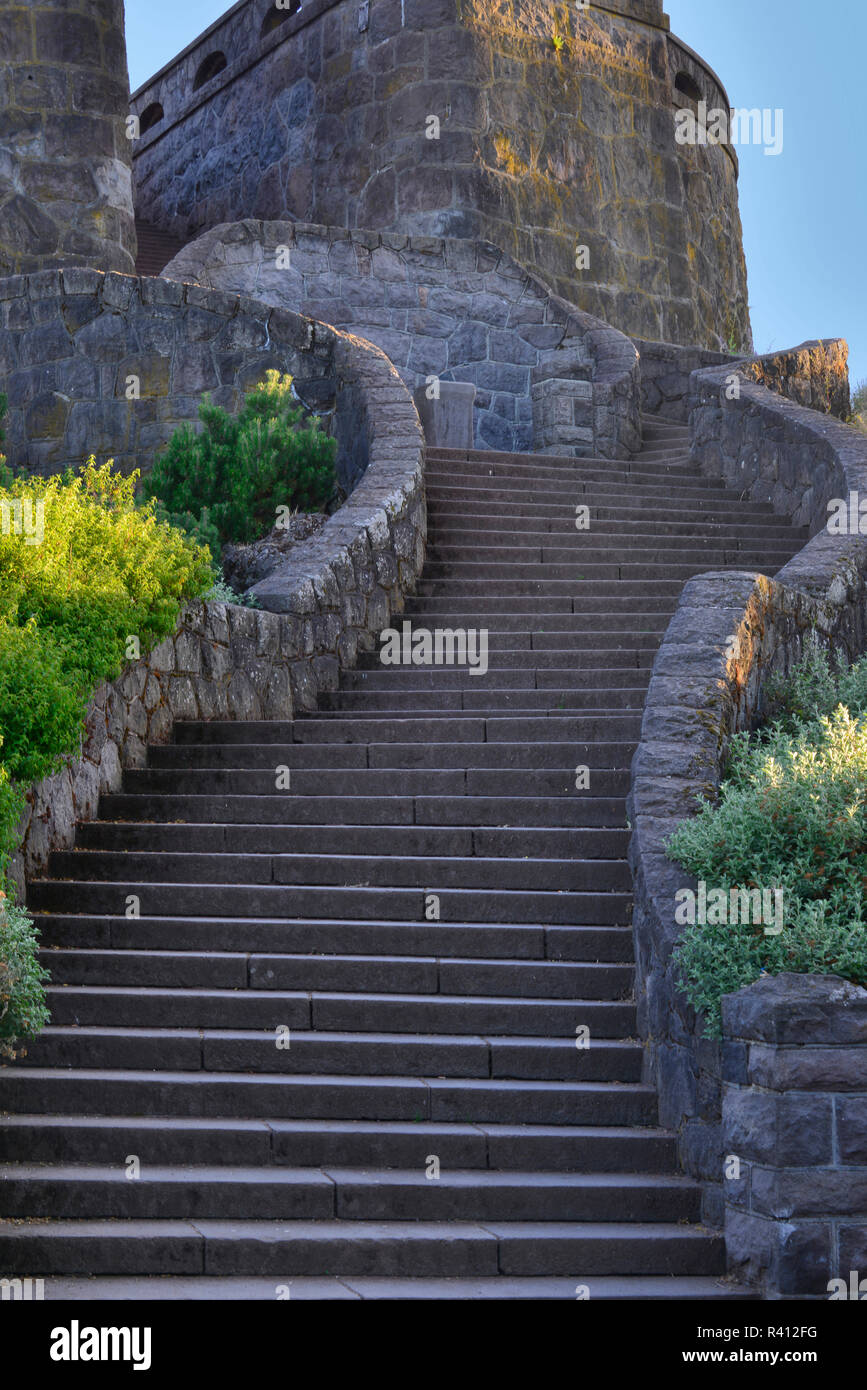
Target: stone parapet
{"x":731,"y":630}
{"x":443,"y":310}
{"x":794,"y":1134}
{"x":332,"y":595}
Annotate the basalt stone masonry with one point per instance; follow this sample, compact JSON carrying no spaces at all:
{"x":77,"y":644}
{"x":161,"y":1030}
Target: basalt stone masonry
{"x":795,"y":1118}
{"x":546,"y":375}
{"x":111,"y":365}
{"x":65,"y":160}
{"x":326,"y":602}
{"x":729,"y":633}
{"x":464,"y":118}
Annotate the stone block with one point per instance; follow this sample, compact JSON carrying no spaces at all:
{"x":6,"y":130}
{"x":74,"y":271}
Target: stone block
{"x":448,"y":421}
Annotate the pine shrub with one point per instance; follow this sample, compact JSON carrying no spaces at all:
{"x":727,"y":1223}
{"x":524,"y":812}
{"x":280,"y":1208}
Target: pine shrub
{"x":226,"y":482}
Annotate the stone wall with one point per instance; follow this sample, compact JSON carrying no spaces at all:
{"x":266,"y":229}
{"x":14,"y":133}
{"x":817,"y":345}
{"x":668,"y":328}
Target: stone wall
{"x":455,"y":310}
{"x":461,"y":118}
{"x":779,"y":451}
{"x":65,"y":160}
{"x":328,"y":600}
{"x":795,"y":1119}
{"x":699,"y":695}
{"x":73,"y":341}
{"x":666,"y":369}
{"x":815,"y":375}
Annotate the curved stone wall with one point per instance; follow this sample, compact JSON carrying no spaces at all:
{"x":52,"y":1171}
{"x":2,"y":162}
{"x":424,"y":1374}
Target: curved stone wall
{"x":461,"y":118}
{"x":799,"y":459}
{"x":329,"y":599}
{"x":111,"y":365}
{"x":65,"y":160}
{"x":455,"y":310}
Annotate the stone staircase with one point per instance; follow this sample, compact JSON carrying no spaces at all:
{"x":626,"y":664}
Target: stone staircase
{"x":417,"y":1044}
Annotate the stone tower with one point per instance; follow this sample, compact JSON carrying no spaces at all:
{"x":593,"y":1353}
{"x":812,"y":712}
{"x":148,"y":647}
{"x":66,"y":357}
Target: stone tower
{"x":65,"y":160}
{"x":539,"y":125}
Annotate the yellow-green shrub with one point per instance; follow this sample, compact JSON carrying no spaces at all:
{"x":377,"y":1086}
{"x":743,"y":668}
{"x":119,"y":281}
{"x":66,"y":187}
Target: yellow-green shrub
{"x":95,"y":570}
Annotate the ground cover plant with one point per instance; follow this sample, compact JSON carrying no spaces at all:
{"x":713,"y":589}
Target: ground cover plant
{"x":791,"y":815}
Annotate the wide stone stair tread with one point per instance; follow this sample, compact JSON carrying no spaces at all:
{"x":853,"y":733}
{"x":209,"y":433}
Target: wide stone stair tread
{"x":300,"y":1158}
{"x":348,"y":1288}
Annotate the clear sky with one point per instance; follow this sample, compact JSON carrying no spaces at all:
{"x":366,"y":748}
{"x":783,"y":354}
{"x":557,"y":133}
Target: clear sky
{"x":804,"y":211}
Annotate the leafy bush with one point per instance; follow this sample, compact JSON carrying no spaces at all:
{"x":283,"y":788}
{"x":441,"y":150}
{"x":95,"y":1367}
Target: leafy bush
{"x":226,"y":482}
{"x":791,"y":815}
{"x":22,"y":998}
{"x":221,"y":592}
{"x":82,"y":569}
{"x":813,"y":688}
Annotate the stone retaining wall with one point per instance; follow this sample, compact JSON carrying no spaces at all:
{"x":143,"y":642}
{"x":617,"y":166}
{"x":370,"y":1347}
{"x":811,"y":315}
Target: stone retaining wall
{"x":328,"y":600}
{"x":699,"y":694}
{"x":795,"y":1136}
{"x":111,"y":365}
{"x":665,"y":370}
{"x":458,"y":311}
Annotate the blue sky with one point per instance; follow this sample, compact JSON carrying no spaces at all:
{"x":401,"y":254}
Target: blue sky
{"x":804,"y":211}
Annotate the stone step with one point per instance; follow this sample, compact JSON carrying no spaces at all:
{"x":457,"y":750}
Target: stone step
{"x":605,"y":504}
{"x":503,"y":644}
{"x":259,"y":1143}
{"x":456,"y":528}
{"x":473,"y":490}
{"x":410,"y":1249}
{"x":365,"y":783}
{"x":405,"y":840}
{"x":421,"y":695}
{"x":584,"y":669}
{"x":451,"y":871}
{"x":599,"y":627}
{"x":468,"y":572}
{"x":586,"y":664}
{"x":466,"y":1100}
{"x":581,"y":591}
{"x":381,"y":755}
{"x":369,"y":1009}
{"x":581,"y":811}
{"x":342,"y":1193}
{"x":276,"y":936}
{"x":410,"y":974}
{"x":650,"y":470}
{"x":548,"y":614}
{"x":646,"y":1288}
{"x":494,"y":457}
{"x":313,"y":1052}
{"x":596,"y":548}
{"x":315,"y":729}
{"x":269,"y":900}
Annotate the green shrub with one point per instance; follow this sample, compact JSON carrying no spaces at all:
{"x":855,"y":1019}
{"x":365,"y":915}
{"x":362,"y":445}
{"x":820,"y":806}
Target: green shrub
{"x":226,"y":482}
{"x":791,"y":815}
{"x":221,"y":592}
{"x":23,"y":1012}
{"x":83,"y":568}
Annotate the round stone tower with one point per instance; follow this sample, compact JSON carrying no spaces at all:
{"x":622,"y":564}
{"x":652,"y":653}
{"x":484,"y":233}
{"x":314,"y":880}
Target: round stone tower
{"x":548,"y":127}
{"x":65,"y":159}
